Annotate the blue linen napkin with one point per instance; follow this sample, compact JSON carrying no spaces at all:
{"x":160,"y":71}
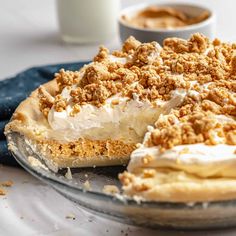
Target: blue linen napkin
{"x":16,"y":89}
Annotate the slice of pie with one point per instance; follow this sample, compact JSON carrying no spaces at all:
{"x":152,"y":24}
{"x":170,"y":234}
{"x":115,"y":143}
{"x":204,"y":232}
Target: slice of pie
{"x":190,"y":153}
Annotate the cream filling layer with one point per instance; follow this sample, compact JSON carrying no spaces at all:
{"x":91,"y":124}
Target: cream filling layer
{"x":198,"y":159}
{"x":125,"y":121}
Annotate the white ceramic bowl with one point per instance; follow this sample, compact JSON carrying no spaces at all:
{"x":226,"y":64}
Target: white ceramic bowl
{"x":206,"y":27}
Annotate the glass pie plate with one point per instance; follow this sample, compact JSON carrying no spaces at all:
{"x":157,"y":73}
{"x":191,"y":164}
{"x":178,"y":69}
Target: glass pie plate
{"x":206,"y":215}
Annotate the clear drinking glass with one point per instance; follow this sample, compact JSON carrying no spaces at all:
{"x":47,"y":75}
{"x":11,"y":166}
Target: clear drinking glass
{"x":87,"y":21}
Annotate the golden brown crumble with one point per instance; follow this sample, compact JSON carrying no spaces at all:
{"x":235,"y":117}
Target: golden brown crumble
{"x":111,"y":189}
{"x":146,"y":159}
{"x":102,"y":54}
{"x":94,"y":74}
{"x":46,"y":100}
{"x":66,"y":78}
{"x":2,"y":192}
{"x":143,"y":186}
{"x":193,"y":126}
{"x":176,"y":45}
{"x":198,"y":43}
{"x":146,"y":53}
{"x":204,"y":70}
{"x":130,"y":45}
{"x":126,"y":178}
{"x":148,"y":173}
{"x":60,"y":103}
{"x":5,"y":184}
{"x":8,"y":183}
{"x":75,"y":109}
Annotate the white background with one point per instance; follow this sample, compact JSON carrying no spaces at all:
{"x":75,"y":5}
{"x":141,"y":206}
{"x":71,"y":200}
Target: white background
{"x":29,"y":37}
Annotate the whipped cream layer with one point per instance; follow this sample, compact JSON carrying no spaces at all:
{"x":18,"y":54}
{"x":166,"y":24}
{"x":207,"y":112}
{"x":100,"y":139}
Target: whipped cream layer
{"x":125,"y":121}
{"x":198,"y":159}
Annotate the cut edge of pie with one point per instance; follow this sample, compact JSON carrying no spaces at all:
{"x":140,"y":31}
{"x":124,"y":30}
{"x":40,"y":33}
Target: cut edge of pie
{"x":29,"y":121}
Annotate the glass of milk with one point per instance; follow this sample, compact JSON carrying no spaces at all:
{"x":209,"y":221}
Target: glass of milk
{"x":87,"y":21}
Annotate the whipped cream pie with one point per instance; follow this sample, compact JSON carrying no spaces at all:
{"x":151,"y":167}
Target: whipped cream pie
{"x":178,"y":101}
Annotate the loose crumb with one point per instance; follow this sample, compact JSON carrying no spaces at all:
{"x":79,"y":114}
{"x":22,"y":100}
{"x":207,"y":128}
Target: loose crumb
{"x":36,"y":163}
{"x":2,"y":192}
{"x":71,"y":216}
{"x":68,"y":174}
{"x":111,"y":189}
{"x":87,"y":185}
{"x":8,"y":183}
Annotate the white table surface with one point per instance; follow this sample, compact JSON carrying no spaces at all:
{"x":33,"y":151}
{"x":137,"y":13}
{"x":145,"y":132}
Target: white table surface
{"x":29,"y":37}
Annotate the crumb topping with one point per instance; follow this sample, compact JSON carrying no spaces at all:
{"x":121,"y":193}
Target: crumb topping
{"x":205,"y":70}
{"x":194,"y":125}
{"x":45,"y":100}
{"x":5,"y":184}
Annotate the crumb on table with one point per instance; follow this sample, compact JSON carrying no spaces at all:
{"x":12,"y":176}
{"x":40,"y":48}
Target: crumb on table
{"x":2,"y":192}
{"x":87,"y":185}
{"x":70,"y":216}
{"x":7,"y":183}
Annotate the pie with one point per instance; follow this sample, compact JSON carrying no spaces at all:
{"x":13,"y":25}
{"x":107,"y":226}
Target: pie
{"x":178,"y":100}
